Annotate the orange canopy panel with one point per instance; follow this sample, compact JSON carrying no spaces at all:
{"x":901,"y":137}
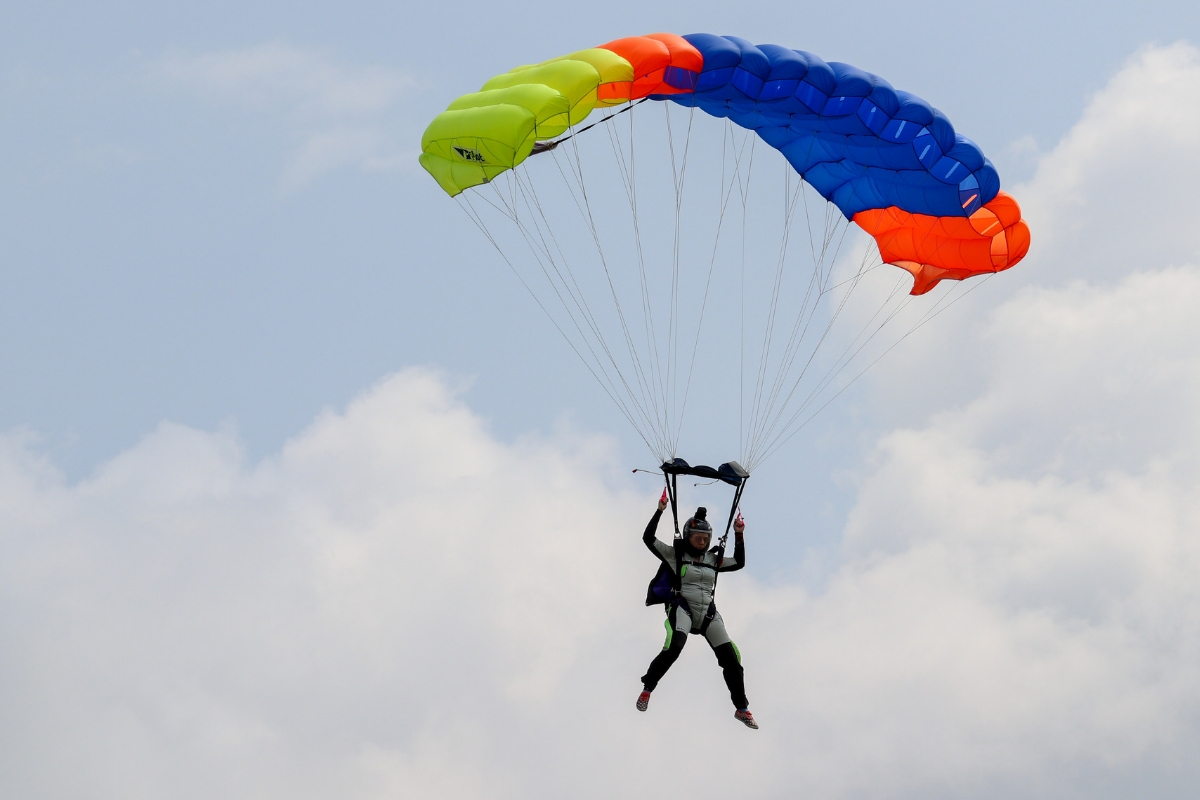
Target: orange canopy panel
{"x":650,"y":56}
{"x":992,"y":239}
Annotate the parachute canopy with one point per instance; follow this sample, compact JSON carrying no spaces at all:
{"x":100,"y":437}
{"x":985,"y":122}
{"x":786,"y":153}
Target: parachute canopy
{"x":888,"y":160}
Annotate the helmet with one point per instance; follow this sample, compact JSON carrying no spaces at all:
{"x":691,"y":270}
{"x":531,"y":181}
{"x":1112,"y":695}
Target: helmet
{"x":697,"y":523}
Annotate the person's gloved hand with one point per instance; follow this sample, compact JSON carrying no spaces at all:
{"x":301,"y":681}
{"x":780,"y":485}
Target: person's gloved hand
{"x":662,"y":501}
{"x":739,"y":525}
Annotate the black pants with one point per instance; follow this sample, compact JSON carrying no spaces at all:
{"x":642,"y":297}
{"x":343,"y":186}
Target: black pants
{"x":727,"y":657}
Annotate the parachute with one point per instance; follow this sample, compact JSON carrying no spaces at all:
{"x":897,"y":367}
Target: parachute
{"x":885,"y":159}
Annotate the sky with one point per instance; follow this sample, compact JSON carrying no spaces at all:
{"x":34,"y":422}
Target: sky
{"x":301,"y":495}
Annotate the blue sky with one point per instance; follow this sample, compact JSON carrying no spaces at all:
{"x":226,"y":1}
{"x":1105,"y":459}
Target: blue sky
{"x":161,"y":262}
{"x":262,"y":396}
{"x":247,"y":249}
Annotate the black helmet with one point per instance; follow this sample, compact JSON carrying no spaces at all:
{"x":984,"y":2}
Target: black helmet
{"x":698,"y":523}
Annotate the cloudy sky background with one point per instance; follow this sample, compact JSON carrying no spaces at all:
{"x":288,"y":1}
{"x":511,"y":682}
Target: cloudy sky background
{"x":284,"y":514}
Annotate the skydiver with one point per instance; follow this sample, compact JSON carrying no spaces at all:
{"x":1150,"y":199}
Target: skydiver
{"x":690,"y":609}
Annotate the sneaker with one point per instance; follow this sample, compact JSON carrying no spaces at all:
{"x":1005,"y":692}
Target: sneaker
{"x":643,"y":701}
{"x":746,"y":718}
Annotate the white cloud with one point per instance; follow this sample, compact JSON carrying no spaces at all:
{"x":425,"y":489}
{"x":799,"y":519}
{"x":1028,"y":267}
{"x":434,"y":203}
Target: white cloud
{"x":1005,"y":623}
{"x":353,"y":613}
{"x":1118,"y":192}
{"x":399,"y":604}
{"x":341,"y":114}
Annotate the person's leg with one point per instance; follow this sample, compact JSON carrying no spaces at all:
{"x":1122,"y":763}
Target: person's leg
{"x":679,"y":622}
{"x":730,"y":660}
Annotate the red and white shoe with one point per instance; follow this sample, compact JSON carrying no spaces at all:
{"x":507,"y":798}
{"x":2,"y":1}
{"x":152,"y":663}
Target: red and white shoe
{"x":746,"y":718}
{"x":643,"y":701}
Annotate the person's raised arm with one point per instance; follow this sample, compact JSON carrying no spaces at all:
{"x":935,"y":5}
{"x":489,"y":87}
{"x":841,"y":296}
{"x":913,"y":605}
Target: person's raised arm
{"x":663,"y":551}
{"x":739,"y":547}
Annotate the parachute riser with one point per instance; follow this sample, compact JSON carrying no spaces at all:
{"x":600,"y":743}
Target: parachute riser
{"x":672,"y":492}
{"x":737,"y":499}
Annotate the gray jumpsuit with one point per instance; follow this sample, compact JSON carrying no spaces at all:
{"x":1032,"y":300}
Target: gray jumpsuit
{"x":696,"y":587}
{"x":689,"y":611}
